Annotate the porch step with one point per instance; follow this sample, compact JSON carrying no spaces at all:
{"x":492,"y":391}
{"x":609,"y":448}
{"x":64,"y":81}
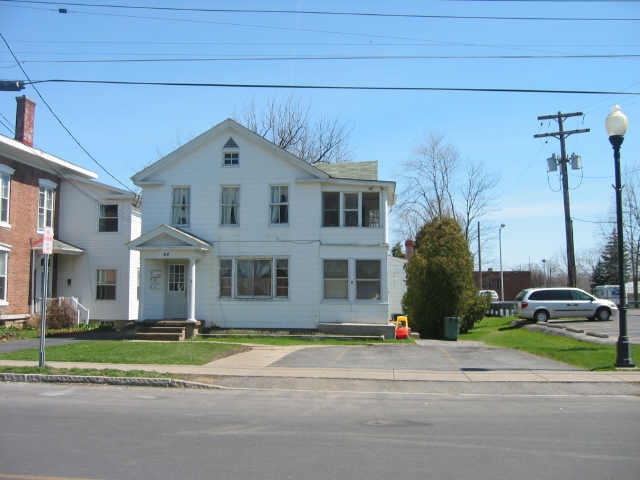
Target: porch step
{"x":173,"y":330}
{"x":157,"y":336}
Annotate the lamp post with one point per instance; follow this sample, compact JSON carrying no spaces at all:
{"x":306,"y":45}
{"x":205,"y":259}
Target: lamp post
{"x":544,"y":271}
{"x":502,"y":225}
{"x":616,"y":125}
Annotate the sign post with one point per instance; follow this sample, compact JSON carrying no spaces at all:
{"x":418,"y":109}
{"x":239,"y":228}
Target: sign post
{"x":47,"y":249}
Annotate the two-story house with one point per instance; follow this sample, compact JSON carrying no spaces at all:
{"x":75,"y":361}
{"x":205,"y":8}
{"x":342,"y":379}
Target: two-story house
{"x":92,"y":223}
{"x":240,"y":233}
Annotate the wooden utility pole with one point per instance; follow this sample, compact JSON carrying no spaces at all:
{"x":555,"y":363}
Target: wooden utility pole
{"x":561,"y":134}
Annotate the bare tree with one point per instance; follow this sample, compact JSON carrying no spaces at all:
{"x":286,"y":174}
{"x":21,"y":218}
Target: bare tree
{"x":631,"y":200}
{"x":290,"y":125}
{"x":434,"y":187}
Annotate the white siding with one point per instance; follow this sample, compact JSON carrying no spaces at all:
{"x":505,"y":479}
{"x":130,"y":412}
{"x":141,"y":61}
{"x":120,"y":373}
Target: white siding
{"x":78,"y":225}
{"x":303,"y":241}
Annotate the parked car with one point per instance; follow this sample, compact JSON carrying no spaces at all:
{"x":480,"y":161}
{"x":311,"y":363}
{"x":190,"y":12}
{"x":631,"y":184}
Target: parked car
{"x":492,"y":294}
{"x":541,"y":304}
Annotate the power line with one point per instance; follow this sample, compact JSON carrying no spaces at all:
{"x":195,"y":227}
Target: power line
{"x":59,"y":120}
{"x":336,"y":57}
{"x":329,"y":87}
{"x":321,"y":12}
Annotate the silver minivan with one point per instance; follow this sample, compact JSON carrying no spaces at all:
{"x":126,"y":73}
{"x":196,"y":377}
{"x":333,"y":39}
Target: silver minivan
{"x":541,"y":304}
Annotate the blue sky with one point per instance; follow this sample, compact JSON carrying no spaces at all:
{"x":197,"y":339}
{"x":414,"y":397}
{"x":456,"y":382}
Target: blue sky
{"x":129,"y":127}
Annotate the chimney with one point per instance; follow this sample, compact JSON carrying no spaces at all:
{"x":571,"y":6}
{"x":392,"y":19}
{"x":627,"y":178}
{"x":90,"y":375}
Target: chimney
{"x":25,"y":116}
{"x":408,"y":249}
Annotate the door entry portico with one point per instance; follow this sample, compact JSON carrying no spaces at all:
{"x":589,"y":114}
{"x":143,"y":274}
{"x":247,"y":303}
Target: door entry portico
{"x":169,"y":255}
{"x":176,"y":291}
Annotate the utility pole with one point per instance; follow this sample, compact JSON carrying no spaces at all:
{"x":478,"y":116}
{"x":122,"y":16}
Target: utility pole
{"x":561,"y":134}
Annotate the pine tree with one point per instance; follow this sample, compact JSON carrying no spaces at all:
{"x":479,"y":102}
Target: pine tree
{"x":606,"y":270}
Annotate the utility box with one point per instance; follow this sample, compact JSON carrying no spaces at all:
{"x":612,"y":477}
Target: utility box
{"x":451,"y":327}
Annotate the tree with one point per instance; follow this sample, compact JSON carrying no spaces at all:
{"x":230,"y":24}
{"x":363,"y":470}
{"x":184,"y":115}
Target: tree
{"x":290,"y":125}
{"x":435,"y":188}
{"x":606,"y":269}
{"x":439,"y":277}
{"x":396,"y":251}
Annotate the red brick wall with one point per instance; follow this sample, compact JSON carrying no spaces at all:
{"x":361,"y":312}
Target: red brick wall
{"x":23,"y":218}
{"x":514,"y":281}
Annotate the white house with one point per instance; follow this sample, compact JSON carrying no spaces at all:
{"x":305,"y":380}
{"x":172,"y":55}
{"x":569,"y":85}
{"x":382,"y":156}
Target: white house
{"x":237,"y":232}
{"x":101,"y":220}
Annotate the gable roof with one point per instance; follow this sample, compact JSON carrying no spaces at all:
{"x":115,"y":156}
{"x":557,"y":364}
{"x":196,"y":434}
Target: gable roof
{"x":145,"y":176}
{"x":166,"y":236}
{"x":33,"y":157}
{"x":352,"y":170}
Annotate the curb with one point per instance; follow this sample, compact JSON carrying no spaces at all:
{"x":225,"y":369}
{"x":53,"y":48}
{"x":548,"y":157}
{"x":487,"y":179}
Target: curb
{"x":98,"y":380}
{"x":592,"y":337}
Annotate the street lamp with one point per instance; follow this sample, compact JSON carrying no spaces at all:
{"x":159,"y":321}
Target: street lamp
{"x":502,"y":225}
{"x":616,"y":125}
{"x":544,"y":271}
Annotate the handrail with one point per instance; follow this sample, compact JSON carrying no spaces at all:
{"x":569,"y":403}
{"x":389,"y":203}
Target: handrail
{"x":81,"y":312}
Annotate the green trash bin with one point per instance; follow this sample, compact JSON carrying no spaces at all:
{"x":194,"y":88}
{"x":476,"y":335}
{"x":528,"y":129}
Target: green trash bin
{"x":451,"y":327}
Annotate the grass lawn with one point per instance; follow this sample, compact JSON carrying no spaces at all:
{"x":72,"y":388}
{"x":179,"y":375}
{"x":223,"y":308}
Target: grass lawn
{"x":107,"y":372}
{"x":121,"y":351}
{"x":590,"y":356}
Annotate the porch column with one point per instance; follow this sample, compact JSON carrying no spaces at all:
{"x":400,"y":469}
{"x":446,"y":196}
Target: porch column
{"x":192,"y":291}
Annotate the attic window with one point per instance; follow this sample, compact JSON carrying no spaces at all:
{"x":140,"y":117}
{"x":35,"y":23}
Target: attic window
{"x":231,"y":153}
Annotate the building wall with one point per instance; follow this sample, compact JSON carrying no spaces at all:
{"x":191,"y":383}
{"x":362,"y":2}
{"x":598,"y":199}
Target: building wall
{"x":23,"y":220}
{"x":77,"y":275}
{"x":303,"y":241}
{"x":514,"y":281}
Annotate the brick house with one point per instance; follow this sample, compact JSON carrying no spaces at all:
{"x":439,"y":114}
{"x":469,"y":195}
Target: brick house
{"x":514,"y":281}
{"x":32,"y":186}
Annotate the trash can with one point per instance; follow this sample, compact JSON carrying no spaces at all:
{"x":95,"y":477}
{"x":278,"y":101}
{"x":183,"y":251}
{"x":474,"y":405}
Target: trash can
{"x":451,"y":326}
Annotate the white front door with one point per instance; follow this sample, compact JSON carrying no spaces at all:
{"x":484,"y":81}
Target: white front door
{"x":176,"y":294}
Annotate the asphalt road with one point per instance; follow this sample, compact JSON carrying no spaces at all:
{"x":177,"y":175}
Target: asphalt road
{"x":56,"y":431}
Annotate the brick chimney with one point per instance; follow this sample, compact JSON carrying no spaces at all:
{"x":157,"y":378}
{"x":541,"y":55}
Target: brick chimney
{"x":25,"y":116}
{"x":408,"y":249}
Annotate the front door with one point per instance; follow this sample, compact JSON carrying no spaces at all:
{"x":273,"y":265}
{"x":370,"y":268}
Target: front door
{"x":176,"y":299}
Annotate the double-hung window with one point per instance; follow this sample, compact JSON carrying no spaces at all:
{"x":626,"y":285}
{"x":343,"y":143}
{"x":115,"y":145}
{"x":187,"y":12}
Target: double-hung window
{"x":106,"y":285}
{"x":4,"y":260}
{"x":181,"y":206}
{"x":254,"y":278}
{"x":330,"y":209}
{"x":279,"y":205}
{"x":350,"y":210}
{"x":229,"y":205}
{"x":5,"y":193}
{"x":45,"y":204}
{"x":336,"y":279}
{"x":108,"y":221}
{"x":371,"y":209}
{"x":368,"y":279}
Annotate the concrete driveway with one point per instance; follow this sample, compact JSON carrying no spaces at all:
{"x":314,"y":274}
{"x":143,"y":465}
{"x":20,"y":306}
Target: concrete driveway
{"x":433,"y":355}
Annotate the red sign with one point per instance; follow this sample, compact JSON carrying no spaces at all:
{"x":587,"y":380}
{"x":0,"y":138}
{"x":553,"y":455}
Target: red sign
{"x":47,"y":241}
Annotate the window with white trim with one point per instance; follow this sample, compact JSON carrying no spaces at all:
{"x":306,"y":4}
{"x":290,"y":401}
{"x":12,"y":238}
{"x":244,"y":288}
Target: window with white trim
{"x":45,"y":204}
{"x":351,"y":209}
{"x":231,"y":153}
{"x":106,"y":284}
{"x":336,"y":279}
{"x":176,"y":277}
{"x":181,"y":206}
{"x":229,"y":205}
{"x":108,"y":219}
{"x":368,"y":279}
{"x":5,"y":193}
{"x":279,"y":205}
{"x":4,"y":260}
{"x":254,"y":278}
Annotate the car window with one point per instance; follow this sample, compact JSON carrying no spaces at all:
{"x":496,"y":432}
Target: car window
{"x":564,"y":295}
{"x":578,"y":295}
{"x":542,"y":295}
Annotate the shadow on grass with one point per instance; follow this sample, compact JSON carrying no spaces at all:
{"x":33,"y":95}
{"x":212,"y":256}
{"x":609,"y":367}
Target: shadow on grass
{"x":516,"y":324}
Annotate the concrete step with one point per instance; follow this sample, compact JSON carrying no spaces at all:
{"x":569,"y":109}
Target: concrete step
{"x":386,"y":330}
{"x":174,"y":337}
{"x":162,"y":329}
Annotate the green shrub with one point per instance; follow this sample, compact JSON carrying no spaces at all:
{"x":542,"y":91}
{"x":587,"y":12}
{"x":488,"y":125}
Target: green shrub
{"x":439,"y":278}
{"x":475,"y":310}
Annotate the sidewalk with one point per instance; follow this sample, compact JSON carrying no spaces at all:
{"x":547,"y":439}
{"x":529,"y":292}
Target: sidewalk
{"x":257,"y":363}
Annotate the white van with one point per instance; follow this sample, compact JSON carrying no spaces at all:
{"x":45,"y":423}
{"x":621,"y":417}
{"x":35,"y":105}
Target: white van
{"x":541,"y":304}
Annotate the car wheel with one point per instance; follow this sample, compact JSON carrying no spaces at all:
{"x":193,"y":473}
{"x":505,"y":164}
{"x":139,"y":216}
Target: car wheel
{"x":541,"y":316}
{"x":603,"y":314}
